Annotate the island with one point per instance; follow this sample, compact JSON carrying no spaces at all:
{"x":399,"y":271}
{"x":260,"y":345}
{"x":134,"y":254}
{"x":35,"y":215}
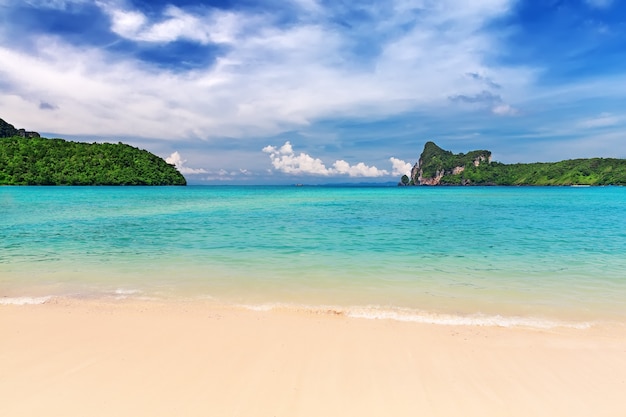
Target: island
{"x":440,"y":167}
{"x":28,"y":159}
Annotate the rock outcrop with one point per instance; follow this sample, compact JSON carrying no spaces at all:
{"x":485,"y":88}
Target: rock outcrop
{"x":7,"y":130}
{"x":435,"y":163}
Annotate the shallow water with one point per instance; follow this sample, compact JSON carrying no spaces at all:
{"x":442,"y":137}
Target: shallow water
{"x":525,"y":255}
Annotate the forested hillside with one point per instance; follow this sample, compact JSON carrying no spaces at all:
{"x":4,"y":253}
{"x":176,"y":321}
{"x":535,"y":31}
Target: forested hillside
{"x":593,"y":171}
{"x":440,"y":167}
{"x":40,"y":161}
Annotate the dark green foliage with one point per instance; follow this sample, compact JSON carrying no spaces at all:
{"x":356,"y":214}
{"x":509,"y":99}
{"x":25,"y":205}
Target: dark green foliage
{"x":40,"y":161}
{"x":405,"y":180}
{"x":478,"y":170}
{"x":595,"y":171}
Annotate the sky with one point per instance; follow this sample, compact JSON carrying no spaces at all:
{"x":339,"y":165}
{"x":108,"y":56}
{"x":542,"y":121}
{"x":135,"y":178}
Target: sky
{"x":319,"y":91}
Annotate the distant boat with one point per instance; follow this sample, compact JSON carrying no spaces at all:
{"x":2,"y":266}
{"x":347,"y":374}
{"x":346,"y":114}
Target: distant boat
{"x":580,"y":185}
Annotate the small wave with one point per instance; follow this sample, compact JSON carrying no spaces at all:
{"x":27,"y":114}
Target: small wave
{"x":416,"y":316}
{"x":122,"y":293}
{"x":20,"y":301}
{"x":459,"y":320}
{"x":262,"y":307}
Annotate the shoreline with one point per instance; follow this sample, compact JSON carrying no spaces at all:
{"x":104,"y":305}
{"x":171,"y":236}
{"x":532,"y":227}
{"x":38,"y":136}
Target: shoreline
{"x":469,"y":315}
{"x":74,"y":357}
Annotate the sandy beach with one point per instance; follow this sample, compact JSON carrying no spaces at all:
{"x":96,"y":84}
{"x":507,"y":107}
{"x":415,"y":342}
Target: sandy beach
{"x":92,"y":358}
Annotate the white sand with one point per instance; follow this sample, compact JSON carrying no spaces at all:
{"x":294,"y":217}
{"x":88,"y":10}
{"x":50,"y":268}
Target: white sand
{"x":88,"y":358}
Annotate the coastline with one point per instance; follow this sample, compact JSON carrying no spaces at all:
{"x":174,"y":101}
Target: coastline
{"x":75,"y":357}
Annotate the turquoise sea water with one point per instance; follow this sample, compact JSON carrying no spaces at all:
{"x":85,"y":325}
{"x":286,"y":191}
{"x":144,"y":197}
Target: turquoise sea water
{"x":475,"y":255}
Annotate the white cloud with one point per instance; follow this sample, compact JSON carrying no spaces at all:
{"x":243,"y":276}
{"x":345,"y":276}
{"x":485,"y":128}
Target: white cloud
{"x":284,"y":159}
{"x":342,"y":167}
{"x":214,"y":26}
{"x":127,"y":24}
{"x":400,"y":167}
{"x":269,"y":80}
{"x":177,"y":160}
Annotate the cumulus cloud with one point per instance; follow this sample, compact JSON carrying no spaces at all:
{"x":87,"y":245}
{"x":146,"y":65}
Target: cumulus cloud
{"x":177,"y":160}
{"x":400,"y":167}
{"x":342,"y":167}
{"x":284,"y":159}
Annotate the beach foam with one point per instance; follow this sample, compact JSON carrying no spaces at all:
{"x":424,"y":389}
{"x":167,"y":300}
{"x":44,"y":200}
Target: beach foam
{"x":24,"y":300}
{"x":417,"y":316}
{"x":460,"y":320}
{"x":122,"y":293}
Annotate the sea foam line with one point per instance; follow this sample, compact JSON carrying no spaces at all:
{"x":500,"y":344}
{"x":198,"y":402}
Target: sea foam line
{"x":124,"y":293}
{"x":416,"y":316}
{"x":20,"y":301}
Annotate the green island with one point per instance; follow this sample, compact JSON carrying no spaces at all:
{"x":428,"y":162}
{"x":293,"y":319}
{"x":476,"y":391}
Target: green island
{"x":28,"y":159}
{"x":440,"y":167}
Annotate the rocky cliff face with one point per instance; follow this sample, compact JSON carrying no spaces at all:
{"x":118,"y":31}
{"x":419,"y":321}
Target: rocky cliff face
{"x":7,"y":130}
{"x":434,"y":180}
{"x":435,"y":164}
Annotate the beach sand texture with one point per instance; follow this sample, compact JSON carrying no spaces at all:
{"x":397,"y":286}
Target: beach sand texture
{"x":90,"y":358}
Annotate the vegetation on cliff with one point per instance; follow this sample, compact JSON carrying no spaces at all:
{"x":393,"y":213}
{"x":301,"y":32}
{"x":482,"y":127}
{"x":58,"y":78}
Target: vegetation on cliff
{"x":436,"y":160}
{"x":40,"y":161}
{"x":439,"y":167}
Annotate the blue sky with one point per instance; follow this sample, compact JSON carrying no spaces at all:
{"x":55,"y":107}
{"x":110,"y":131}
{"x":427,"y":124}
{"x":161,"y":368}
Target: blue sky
{"x":316,"y":91}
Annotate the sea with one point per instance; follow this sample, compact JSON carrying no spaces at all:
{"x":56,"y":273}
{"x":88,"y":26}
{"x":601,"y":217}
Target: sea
{"x":539,"y":257}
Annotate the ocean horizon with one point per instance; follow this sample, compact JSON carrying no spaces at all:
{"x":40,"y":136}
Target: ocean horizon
{"x":505,"y":256}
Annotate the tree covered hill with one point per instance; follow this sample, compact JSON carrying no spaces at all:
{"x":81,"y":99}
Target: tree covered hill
{"x":439,"y":167}
{"x":31,"y":160}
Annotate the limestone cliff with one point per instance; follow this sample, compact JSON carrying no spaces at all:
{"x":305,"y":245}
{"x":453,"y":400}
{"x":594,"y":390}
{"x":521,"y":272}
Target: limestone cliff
{"x":435,"y":163}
